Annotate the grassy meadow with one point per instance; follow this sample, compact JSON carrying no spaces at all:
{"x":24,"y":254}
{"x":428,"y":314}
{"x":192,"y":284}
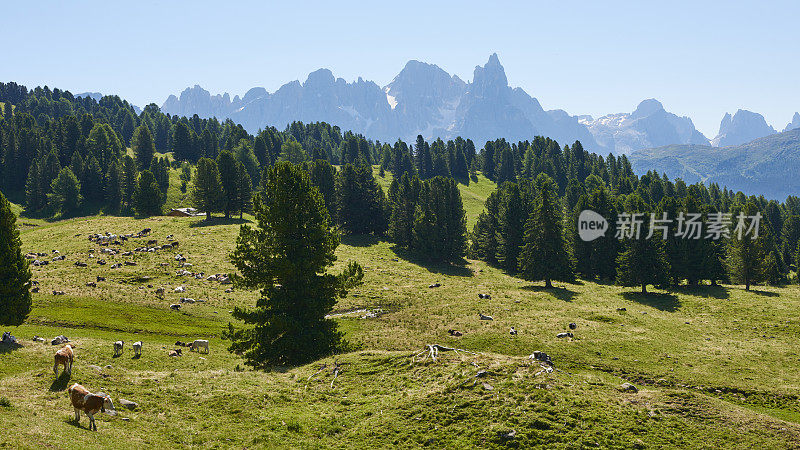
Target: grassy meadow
{"x":715,"y":366}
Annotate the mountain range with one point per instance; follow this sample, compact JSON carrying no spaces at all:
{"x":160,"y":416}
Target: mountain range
{"x":424,"y":99}
{"x":767,"y":165}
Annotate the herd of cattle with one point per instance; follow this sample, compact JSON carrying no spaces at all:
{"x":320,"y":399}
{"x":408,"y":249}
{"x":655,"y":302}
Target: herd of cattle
{"x":80,"y":397}
{"x":91,"y":404}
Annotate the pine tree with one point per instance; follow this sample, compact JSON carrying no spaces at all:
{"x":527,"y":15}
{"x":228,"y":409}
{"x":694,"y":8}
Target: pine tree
{"x":402,"y":199}
{"x":207,"y":187}
{"x":440,"y":230}
{"x":226,"y":165}
{"x":485,"y":232}
{"x":92,"y":183}
{"x":147,"y":198}
{"x":244,"y":190}
{"x":293,"y":152}
{"x":323,"y":175}
{"x":643,"y":261}
{"x":544,"y":254}
{"x":15,"y":275}
{"x":143,"y":147}
{"x":513,"y":212}
{"x":506,"y":169}
{"x":182,"y":142}
{"x":35,"y":198}
{"x":746,"y":254}
{"x":113,"y":183}
{"x":129,"y":178}
{"x":360,"y":202}
{"x":66,"y":192}
{"x":286,"y":258}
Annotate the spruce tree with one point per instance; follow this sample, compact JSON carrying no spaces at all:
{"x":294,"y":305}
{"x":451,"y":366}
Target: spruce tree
{"x":113,"y":186}
{"x":544,"y":254}
{"x":440,"y":230}
{"x":506,"y":168}
{"x":360,"y":202}
{"x":323,"y":175}
{"x":147,"y":197}
{"x":485,"y":231}
{"x":207,"y":187}
{"x":66,"y":192}
{"x":226,"y":165}
{"x":286,"y":257}
{"x":244,"y":190}
{"x":513,"y":212}
{"x":643,"y":261}
{"x":402,"y":199}
{"x":15,"y":274}
{"x":128,"y":184}
{"x":746,"y":254}
{"x":182,"y":142}
{"x":143,"y":147}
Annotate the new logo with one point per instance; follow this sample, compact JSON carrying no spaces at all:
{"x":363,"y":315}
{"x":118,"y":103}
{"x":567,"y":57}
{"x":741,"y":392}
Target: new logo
{"x":591,"y":225}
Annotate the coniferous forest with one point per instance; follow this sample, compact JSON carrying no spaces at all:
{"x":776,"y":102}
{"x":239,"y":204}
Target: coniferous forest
{"x":62,"y":155}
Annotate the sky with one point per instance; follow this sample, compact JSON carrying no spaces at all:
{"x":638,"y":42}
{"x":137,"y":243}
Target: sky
{"x":699,"y":58}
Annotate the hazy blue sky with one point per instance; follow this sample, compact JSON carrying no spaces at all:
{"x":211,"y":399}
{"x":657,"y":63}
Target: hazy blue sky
{"x":699,"y":58}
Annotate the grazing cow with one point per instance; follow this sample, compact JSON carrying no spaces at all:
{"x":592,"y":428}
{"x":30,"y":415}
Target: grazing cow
{"x":137,"y":348}
{"x":91,"y":404}
{"x":175,"y":244}
{"x":175,"y":306}
{"x":484,"y":317}
{"x":455,"y":333}
{"x":64,"y":356}
{"x":152,"y":242}
{"x":180,"y":344}
{"x":198,"y":344}
{"x":513,"y":331}
{"x":118,"y":346}
{"x":91,"y":284}
{"x":176,"y":352}
{"x":101,"y":278}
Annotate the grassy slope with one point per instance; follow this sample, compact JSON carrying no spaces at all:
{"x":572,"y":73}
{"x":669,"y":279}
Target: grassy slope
{"x":742,"y":344}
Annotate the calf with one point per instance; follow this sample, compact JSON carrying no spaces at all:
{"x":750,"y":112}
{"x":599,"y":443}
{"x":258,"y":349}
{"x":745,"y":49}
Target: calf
{"x":64,"y":356}
{"x":91,"y":404}
{"x":118,"y":346}
{"x":137,"y":349}
{"x":198,"y":344}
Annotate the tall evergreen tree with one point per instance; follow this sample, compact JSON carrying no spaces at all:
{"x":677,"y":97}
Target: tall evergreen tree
{"x":323,"y":175}
{"x":643,"y":261}
{"x":244,"y":190}
{"x":66,"y":192}
{"x":113,"y":186}
{"x":544,"y":254}
{"x":15,"y":275}
{"x":747,"y":254}
{"x":485,"y":231}
{"x":147,"y":197}
{"x":182,"y":142}
{"x":129,"y":178}
{"x":207,"y":187}
{"x":513,"y":212}
{"x":402,"y":199}
{"x":360,"y":202}
{"x":286,"y":258}
{"x":440,"y":230}
{"x":226,"y":165}
{"x":143,"y":147}
{"x":505,"y":171}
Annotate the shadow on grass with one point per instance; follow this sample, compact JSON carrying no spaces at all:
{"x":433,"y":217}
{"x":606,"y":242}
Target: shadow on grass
{"x":660,"y":301}
{"x":717,"y":291}
{"x":60,"y":383}
{"x":218,"y":221}
{"x":456,"y":268}
{"x":764,"y":293}
{"x":8,"y":348}
{"x":560,"y":293}
{"x":359,"y":240}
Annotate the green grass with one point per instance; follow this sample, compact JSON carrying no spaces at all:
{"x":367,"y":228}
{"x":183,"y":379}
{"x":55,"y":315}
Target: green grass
{"x":716,"y":366}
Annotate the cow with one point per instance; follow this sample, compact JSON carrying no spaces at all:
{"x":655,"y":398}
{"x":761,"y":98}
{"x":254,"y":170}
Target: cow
{"x":173,"y":353}
{"x":175,"y":307}
{"x":91,"y":404}
{"x":198,"y":344}
{"x":118,"y":347}
{"x":137,"y":349}
{"x":64,"y":356}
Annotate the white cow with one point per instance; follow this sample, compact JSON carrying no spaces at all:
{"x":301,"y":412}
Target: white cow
{"x":198,"y":344}
{"x":137,"y":348}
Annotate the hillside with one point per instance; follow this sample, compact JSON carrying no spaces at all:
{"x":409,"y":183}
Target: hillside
{"x":764,"y":166}
{"x":688,"y":351}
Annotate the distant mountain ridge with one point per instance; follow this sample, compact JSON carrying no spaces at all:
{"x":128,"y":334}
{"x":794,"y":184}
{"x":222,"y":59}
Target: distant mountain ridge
{"x":743,"y":127}
{"x":768,"y":165}
{"x":425,"y":99}
{"x":648,"y":126}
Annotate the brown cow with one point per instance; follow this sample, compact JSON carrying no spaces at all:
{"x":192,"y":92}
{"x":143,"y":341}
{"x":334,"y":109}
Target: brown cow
{"x":64,"y":356}
{"x":83,"y":400}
